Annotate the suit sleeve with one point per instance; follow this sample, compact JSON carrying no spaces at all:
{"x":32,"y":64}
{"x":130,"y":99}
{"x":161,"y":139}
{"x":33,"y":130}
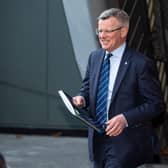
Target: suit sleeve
{"x":150,"y":93}
{"x":84,"y":90}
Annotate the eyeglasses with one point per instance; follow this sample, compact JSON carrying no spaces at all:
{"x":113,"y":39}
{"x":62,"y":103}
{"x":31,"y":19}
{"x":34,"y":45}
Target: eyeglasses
{"x":108,"y":31}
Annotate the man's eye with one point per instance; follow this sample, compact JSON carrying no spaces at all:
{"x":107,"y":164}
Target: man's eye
{"x":108,"y":31}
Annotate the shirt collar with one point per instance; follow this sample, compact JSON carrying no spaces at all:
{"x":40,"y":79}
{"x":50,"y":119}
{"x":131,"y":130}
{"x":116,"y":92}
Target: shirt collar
{"x":118,"y":51}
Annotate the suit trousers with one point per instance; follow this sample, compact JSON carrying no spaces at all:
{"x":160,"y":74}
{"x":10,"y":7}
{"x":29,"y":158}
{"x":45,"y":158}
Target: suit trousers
{"x":106,"y":158}
{"x":109,"y":163}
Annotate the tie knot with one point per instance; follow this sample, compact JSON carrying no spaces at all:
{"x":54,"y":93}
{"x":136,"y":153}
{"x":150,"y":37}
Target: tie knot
{"x":108,"y":55}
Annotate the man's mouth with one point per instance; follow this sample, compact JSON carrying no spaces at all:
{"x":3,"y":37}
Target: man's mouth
{"x":105,"y":42}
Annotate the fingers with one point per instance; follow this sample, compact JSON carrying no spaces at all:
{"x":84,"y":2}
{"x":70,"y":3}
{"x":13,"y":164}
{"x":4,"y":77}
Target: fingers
{"x":78,"y":101}
{"x":116,"y":125}
{"x":113,"y":129}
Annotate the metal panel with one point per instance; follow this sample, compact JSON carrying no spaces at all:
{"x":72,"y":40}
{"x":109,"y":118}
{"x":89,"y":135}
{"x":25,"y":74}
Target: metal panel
{"x":21,"y":109}
{"x":63,"y":72}
{"x":36,"y":59}
{"x":23,"y":43}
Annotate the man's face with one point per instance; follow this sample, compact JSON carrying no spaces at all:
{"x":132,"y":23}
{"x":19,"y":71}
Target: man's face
{"x":111,"y":33}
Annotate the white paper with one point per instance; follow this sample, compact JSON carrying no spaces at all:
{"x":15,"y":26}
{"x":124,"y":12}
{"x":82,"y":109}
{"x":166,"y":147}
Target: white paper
{"x":67,"y":102}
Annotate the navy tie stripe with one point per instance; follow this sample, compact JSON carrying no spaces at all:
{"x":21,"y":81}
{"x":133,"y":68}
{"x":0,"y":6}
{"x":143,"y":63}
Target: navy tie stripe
{"x":102,"y":93}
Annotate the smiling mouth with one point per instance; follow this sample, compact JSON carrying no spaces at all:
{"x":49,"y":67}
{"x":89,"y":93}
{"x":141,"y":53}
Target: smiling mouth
{"x":105,"y":42}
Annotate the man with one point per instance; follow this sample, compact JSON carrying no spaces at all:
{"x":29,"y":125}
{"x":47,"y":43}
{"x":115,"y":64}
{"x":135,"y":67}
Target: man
{"x":132,"y":99}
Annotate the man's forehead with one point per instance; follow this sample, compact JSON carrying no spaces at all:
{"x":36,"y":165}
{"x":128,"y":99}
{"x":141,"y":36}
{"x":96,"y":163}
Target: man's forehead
{"x":110,"y":21}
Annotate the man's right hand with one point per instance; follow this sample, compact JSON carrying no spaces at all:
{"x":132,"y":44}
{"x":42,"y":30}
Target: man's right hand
{"x":78,"y":101}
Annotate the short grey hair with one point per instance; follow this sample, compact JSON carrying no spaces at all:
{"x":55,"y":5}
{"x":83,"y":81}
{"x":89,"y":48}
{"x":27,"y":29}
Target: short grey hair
{"x":119,"y":14}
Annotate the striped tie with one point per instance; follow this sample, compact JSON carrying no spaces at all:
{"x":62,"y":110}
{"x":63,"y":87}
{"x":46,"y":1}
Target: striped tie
{"x":102,"y":92}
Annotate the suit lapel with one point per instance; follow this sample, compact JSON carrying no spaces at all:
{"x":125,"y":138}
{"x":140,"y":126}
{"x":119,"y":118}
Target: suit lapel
{"x":121,"y":72}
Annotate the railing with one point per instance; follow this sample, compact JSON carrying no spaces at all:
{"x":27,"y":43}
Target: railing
{"x":147,"y":35}
{"x":139,"y":33}
{"x":161,"y":58}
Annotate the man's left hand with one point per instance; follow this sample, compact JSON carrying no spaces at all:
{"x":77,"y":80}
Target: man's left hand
{"x":116,"y":125}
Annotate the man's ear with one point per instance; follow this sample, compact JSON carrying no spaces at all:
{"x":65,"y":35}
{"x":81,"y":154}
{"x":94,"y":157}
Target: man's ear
{"x":124,"y":32}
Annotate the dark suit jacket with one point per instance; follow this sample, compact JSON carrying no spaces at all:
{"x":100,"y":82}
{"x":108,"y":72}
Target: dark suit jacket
{"x":137,"y":95}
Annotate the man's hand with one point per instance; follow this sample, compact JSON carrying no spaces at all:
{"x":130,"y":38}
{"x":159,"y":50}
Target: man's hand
{"x":78,"y":101}
{"x":116,"y":125}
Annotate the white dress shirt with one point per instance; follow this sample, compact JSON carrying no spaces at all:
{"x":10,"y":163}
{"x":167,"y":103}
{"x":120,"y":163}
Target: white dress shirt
{"x":114,"y":66}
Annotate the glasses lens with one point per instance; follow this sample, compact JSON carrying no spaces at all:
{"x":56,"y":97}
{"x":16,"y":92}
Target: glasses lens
{"x":107,"y":31}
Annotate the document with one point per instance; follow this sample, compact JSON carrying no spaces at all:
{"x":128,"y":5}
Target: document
{"x":79,"y":113}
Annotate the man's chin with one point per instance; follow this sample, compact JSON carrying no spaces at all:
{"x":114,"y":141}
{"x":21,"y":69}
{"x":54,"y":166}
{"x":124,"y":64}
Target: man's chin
{"x":105,"y":47}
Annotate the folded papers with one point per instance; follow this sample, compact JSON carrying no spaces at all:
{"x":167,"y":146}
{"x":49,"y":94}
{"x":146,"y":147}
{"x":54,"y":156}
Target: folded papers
{"x":79,"y":113}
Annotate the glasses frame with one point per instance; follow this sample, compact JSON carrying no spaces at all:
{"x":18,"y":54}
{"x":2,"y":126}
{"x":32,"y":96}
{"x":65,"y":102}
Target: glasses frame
{"x":98,"y":32}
